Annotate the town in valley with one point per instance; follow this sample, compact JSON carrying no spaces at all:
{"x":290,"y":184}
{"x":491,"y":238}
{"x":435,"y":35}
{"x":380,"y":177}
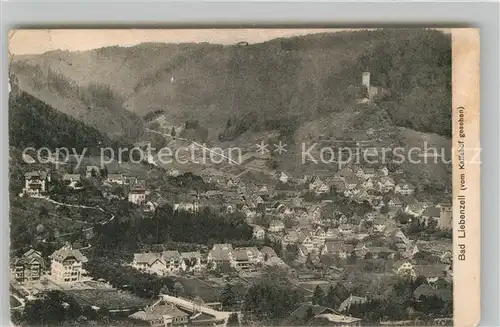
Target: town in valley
{"x":268,"y":239}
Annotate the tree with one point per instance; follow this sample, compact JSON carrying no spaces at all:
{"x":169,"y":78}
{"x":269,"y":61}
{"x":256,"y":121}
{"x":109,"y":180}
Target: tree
{"x":228,"y":297}
{"x":309,"y":314}
{"x":178,"y":289}
{"x":233,"y":320}
{"x":331,"y":298}
{"x":318,"y":296}
{"x":43,"y":212}
{"x":352,"y":258}
{"x":164,"y":290}
{"x":172,"y":132}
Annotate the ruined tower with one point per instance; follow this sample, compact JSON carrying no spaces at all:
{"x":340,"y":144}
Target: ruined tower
{"x":365,"y":81}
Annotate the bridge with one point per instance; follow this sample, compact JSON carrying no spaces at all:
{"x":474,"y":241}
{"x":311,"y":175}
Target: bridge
{"x":195,"y":307}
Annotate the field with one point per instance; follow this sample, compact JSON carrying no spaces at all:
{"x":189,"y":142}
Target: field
{"x":107,"y":298}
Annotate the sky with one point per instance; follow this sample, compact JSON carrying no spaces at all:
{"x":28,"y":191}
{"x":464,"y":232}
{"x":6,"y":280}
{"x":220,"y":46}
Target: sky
{"x":40,"y":41}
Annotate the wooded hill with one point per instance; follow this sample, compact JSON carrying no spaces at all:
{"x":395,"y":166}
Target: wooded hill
{"x":298,"y":79}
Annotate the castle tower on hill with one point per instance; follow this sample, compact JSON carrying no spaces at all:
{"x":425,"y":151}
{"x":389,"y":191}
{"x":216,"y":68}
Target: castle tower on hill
{"x":365,"y":80}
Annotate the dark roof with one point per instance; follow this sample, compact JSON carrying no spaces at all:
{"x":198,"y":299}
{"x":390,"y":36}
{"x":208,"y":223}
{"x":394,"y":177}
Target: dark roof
{"x":301,"y":312}
{"x":432,"y":212}
{"x":66,"y":252}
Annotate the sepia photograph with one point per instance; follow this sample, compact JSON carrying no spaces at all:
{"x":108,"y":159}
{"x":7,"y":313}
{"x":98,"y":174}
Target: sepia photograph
{"x":236,"y":177}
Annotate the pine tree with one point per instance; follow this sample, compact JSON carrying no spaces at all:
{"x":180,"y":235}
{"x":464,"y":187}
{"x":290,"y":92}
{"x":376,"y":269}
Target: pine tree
{"x":318,"y":296}
{"x":227,"y":296}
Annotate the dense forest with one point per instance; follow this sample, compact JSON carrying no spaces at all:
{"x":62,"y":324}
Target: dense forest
{"x":33,"y":123}
{"x":173,"y":226}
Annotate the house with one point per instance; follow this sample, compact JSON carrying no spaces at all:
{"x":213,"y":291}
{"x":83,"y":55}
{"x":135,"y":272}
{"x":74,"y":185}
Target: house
{"x":416,"y":210}
{"x":115,"y":179}
{"x":432,"y":272}
{"x":219,"y":254}
{"x":379,"y":225}
{"x":282,"y":177}
{"x":240,"y":259}
{"x":445,"y":216}
{"x":338,"y":184}
{"x":66,"y":264}
{"x":368,"y":184}
{"x":346,"y":229}
{"x":152,"y":263}
{"x":385,"y":184}
{"x":137,"y":193}
{"x":35,"y":183}
{"x":404,"y":269}
{"x":431,"y":214}
{"x":192,"y":261}
{"x":28,"y":267}
{"x":291,"y":237}
{"x":303,"y":251}
{"x":369,"y":172}
{"x":351,"y":183}
{"x":395,"y":203}
{"x":253,"y":254}
{"x":92,"y":171}
{"x":267,"y":253}
{"x":383,"y":171}
{"x":162,"y":315}
{"x":259,"y":233}
{"x":306,"y":241}
{"x":344,"y":306}
{"x":73,"y":181}
{"x":187,"y":206}
{"x":404,"y":189}
{"x":300,"y":315}
{"x":318,"y":186}
{"x":334,"y":248}
{"x":276,"y":226}
{"x":174,"y":262}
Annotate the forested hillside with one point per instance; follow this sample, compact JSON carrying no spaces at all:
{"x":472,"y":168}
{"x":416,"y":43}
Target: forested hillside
{"x":234,"y":88}
{"x":33,"y":123}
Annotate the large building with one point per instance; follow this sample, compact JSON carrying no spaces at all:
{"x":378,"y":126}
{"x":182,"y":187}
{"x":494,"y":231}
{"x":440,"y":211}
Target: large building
{"x":66,"y":265}
{"x":137,"y":193}
{"x":35,"y":183}
{"x":28,"y":267}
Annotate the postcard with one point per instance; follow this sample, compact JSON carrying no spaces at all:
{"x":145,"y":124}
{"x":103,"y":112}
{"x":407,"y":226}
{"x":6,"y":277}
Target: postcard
{"x":244,"y":177}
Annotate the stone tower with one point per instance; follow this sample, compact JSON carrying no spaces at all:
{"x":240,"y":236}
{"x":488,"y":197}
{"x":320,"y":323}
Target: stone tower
{"x":365,"y":81}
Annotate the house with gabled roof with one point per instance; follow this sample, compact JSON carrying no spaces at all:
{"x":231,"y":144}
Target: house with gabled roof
{"x":395,"y":203}
{"x":276,"y":226}
{"x":152,"y":263}
{"x":431,"y":214}
{"x":137,"y":192}
{"x":347,"y":303}
{"x":416,"y":209}
{"x":404,"y":188}
{"x":66,"y":265}
{"x":334,"y":248}
{"x":28,"y":267}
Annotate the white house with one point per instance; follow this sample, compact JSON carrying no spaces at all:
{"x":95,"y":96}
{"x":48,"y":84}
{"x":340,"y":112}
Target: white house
{"x":259,"y":233}
{"x":404,"y":189}
{"x":187,"y":206}
{"x":66,"y":265}
{"x":35,"y":183}
{"x":276,"y":226}
{"x":137,"y":193}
